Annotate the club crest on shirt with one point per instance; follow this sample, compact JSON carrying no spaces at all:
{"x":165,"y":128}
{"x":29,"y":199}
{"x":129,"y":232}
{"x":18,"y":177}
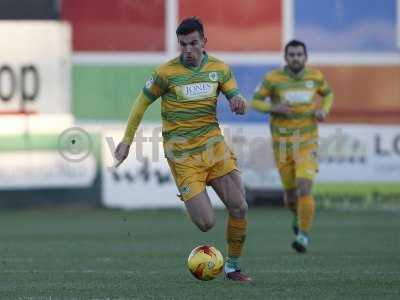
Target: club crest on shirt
{"x":213,"y":76}
{"x":309,"y":84}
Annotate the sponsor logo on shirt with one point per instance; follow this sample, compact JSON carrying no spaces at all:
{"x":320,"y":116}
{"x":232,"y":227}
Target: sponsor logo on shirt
{"x":199,"y":90}
{"x":298,"y":97}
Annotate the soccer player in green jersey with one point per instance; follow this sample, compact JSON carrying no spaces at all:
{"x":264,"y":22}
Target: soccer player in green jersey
{"x":289,"y":95}
{"x":193,"y":143}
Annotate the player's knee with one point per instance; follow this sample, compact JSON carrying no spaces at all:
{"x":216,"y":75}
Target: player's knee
{"x":303,"y":191}
{"x":239,"y":211}
{"x":205,"y":224}
{"x":304,"y":187}
{"x":290,"y":197}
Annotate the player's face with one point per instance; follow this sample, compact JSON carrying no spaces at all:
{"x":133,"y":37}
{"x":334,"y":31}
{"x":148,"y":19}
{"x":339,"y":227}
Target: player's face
{"x":296,"y":58}
{"x":192,"y":47}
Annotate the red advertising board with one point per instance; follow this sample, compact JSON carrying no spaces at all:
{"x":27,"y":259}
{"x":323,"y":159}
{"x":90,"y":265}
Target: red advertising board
{"x":237,"y":25}
{"x":118,"y":25}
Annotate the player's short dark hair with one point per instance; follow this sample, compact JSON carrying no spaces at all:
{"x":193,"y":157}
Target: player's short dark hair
{"x":295,"y":43}
{"x":190,"y":25}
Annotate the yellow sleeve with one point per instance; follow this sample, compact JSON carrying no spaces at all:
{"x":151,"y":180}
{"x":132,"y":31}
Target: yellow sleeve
{"x":156,"y":86}
{"x":261,"y":106}
{"x":141,"y":104}
{"x":327,"y":102}
{"x":262,"y":91}
{"x":228,"y":85}
{"x":326,"y":92}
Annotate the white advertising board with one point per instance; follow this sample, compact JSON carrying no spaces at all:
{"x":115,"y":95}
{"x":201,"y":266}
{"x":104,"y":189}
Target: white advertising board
{"x":348,"y":154}
{"x":35,"y":61}
{"x":359,"y":153}
{"x":38,"y":169}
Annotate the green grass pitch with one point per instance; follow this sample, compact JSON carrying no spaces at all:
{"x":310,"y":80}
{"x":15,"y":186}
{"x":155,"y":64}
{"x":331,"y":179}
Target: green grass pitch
{"x":101,"y":254}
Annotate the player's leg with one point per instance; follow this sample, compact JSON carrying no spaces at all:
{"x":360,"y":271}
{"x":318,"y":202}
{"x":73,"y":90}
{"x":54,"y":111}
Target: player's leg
{"x":230,"y":189}
{"x":305,"y":213}
{"x":306,"y":169}
{"x":288,"y":178}
{"x":290,"y":200}
{"x":306,"y":204}
{"x":200,"y":211}
{"x":191,"y":183}
{"x":225,"y":179}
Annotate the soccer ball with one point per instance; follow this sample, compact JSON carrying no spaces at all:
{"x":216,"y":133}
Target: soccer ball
{"x":205,"y":262}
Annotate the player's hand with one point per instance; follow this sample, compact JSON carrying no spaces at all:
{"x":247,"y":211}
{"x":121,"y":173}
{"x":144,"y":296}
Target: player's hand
{"x":121,"y":153}
{"x":282,"y":108}
{"x":238,"y":105}
{"x":320,"y":115}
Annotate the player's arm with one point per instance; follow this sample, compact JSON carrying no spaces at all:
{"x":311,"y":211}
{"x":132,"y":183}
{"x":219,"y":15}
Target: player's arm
{"x":327,"y":101}
{"x":262,"y":101}
{"x":229,"y":88}
{"x":135,"y":117}
{"x":155,"y":87}
{"x":259,"y":101}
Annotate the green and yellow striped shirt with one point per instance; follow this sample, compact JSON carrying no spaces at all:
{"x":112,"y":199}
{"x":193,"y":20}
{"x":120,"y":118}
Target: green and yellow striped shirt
{"x":189,"y":101}
{"x":299,"y":91}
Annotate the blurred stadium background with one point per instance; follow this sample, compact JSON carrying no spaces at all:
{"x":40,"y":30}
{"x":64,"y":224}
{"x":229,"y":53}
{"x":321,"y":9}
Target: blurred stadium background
{"x":81,"y":63}
{"x":69,"y":72}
